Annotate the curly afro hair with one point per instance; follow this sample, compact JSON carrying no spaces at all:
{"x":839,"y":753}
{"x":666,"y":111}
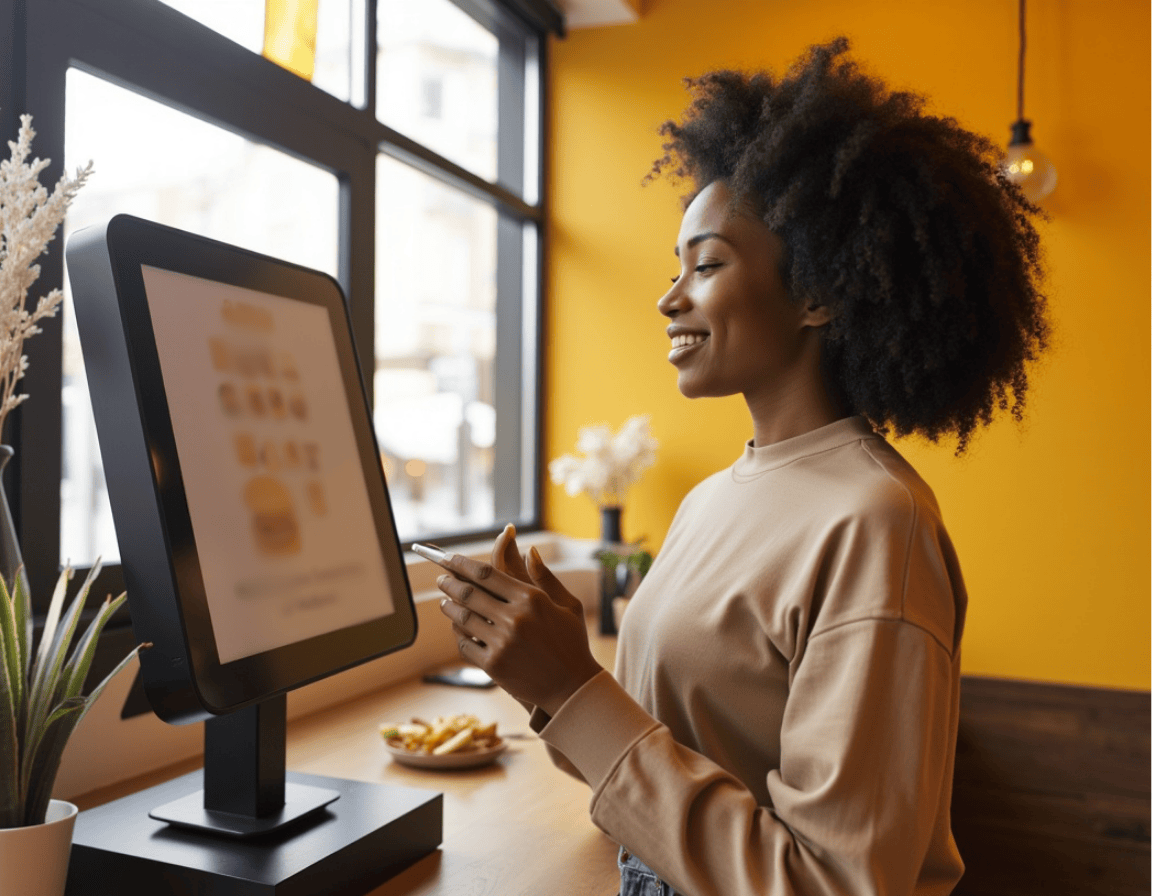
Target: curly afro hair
{"x":902,"y":223}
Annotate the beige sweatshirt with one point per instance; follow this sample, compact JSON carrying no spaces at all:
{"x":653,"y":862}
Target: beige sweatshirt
{"x":783,"y":716}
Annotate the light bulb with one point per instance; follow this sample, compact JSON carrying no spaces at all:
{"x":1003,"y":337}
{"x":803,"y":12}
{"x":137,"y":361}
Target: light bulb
{"x":1026,"y":166}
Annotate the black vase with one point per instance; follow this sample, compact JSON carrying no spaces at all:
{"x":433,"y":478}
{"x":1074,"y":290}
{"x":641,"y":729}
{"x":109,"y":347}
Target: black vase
{"x":11,"y":563}
{"x":610,"y":533}
{"x":611,"y":587}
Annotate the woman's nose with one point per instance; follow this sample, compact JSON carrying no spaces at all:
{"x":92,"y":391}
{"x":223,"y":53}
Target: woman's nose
{"x":672,"y":302}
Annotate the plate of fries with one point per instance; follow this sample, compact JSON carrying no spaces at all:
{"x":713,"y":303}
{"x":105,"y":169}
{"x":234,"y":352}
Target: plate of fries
{"x":461,"y":741}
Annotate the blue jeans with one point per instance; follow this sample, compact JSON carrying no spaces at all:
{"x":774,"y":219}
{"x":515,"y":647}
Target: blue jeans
{"x":637,"y":879}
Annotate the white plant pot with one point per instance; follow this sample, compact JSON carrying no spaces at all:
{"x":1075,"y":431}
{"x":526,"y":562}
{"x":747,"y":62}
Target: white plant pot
{"x":34,"y":860}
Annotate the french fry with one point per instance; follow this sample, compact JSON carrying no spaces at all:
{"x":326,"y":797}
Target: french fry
{"x":486,"y":733}
{"x":443,"y":735}
{"x":457,"y":742}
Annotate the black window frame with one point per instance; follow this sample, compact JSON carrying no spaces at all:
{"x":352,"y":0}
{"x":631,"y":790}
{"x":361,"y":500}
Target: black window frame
{"x":150,"y":48}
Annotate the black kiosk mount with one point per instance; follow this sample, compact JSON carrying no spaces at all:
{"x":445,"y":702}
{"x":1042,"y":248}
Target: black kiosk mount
{"x":259,"y":554}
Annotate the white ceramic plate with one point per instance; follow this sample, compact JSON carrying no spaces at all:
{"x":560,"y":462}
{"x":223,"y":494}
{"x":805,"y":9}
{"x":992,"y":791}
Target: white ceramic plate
{"x":470,"y":759}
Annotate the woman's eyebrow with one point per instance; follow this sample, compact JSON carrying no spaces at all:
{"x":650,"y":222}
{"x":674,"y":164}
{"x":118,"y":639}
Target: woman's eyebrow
{"x":701,"y":237}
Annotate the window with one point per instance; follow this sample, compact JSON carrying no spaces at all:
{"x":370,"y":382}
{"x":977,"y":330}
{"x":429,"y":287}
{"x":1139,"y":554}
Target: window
{"x":435,"y":350}
{"x":186,"y":173}
{"x":409,"y":169}
{"x":433,"y":55}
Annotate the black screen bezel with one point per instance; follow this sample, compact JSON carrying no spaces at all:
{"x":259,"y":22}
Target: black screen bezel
{"x":222,"y":687}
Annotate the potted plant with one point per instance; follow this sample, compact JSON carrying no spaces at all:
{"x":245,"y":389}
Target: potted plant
{"x":612,"y":463}
{"x":621,"y":572}
{"x":41,"y":703}
{"x":40,"y":689}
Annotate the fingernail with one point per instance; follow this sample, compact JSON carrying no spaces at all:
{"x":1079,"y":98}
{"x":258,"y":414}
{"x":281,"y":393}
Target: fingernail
{"x":535,"y":554}
{"x":511,"y":530}
{"x":443,"y":603}
{"x":440,"y":580}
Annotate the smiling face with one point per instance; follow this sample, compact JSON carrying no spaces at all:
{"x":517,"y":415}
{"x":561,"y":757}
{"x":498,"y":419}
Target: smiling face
{"x":735,"y":329}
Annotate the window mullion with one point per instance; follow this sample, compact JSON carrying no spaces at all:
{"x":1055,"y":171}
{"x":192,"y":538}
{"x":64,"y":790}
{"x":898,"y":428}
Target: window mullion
{"x":368,"y":73}
{"x":510,"y":114}
{"x":508,"y":392}
{"x":34,"y":474}
{"x":434,"y":165}
{"x":357,"y":261}
{"x":510,"y":293}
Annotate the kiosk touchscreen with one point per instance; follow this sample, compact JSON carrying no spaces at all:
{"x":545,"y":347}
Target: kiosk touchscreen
{"x":259,"y":553}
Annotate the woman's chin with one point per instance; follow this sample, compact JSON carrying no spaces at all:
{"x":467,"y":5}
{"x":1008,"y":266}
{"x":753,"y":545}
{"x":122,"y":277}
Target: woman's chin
{"x":690,"y":389}
{"x":693,"y":388}
{"x":687,"y":388}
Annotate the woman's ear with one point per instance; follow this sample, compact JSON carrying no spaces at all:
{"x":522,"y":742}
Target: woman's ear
{"x":816,"y":315}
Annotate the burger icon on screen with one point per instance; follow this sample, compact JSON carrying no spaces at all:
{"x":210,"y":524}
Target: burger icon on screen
{"x":274,"y":523}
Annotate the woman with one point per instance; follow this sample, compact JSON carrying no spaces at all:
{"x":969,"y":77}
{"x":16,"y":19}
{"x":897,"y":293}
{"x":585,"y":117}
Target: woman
{"x":783,"y":715}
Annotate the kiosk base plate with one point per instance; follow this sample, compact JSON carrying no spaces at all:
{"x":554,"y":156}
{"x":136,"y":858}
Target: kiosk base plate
{"x":353,"y":845}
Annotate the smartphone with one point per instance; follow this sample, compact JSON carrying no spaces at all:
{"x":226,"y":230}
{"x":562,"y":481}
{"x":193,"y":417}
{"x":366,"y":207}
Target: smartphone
{"x":440,"y":557}
{"x":461,"y":676}
{"x":431,"y":552}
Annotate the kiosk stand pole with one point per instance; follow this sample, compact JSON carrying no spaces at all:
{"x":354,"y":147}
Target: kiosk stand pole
{"x":244,"y":759}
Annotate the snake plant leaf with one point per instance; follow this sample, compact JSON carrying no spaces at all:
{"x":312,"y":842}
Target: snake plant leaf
{"x":49,"y":663}
{"x":58,"y":728}
{"x":10,"y":645}
{"x":47,"y":636}
{"x":72,"y":707}
{"x":99,"y":689}
{"x":52,"y":618}
{"x":40,"y":701}
{"x":22,"y":604}
{"x":76,"y":670}
{"x":53,"y":680}
{"x":9,"y":750}
{"x":45,"y":755}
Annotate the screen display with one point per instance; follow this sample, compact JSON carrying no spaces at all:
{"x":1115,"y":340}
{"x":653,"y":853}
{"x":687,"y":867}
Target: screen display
{"x":275,"y":489}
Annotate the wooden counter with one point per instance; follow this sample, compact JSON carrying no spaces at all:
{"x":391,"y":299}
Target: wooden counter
{"x":1051,"y":792}
{"x":518,"y":827}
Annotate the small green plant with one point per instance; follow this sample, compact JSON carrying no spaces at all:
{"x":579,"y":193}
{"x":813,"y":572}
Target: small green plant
{"x":40,"y":699}
{"x":637,"y":561}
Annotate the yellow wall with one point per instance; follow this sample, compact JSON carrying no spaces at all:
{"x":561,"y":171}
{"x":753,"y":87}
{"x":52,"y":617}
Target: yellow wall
{"x":1051,"y":519}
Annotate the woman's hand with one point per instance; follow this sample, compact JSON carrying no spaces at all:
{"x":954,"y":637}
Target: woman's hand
{"x":529,"y":635}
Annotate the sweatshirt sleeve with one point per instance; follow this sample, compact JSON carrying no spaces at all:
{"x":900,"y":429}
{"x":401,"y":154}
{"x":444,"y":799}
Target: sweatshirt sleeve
{"x":538,"y":720}
{"x":865,"y":749}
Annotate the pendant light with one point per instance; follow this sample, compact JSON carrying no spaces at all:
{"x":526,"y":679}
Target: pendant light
{"x":1025,"y":165}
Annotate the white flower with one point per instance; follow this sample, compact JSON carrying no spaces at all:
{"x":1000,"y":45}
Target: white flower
{"x":612,"y":463}
{"x":594,"y":440}
{"x":29,"y":217}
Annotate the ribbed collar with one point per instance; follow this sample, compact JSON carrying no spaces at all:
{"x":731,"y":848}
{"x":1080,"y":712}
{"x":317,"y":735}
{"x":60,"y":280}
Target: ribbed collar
{"x":756,"y":461}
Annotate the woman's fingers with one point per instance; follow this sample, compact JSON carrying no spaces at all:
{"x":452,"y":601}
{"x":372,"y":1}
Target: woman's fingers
{"x":465,"y":622}
{"x":469,"y":600}
{"x":469,"y":648}
{"x":547,"y":582}
{"x":485,"y":575}
{"x":506,"y":556}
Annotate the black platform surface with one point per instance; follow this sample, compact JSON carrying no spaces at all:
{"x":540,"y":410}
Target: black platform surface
{"x":353,"y":845}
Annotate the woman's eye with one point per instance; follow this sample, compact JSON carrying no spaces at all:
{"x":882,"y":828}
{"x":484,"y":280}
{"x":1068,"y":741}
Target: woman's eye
{"x":701,"y":269}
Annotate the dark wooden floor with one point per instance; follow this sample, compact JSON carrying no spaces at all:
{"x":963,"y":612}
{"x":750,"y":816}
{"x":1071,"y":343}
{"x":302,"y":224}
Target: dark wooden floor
{"x":1052,"y":790}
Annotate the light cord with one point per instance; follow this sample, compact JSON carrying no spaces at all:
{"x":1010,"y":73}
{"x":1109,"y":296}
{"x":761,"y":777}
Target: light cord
{"x":1020,"y":70}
